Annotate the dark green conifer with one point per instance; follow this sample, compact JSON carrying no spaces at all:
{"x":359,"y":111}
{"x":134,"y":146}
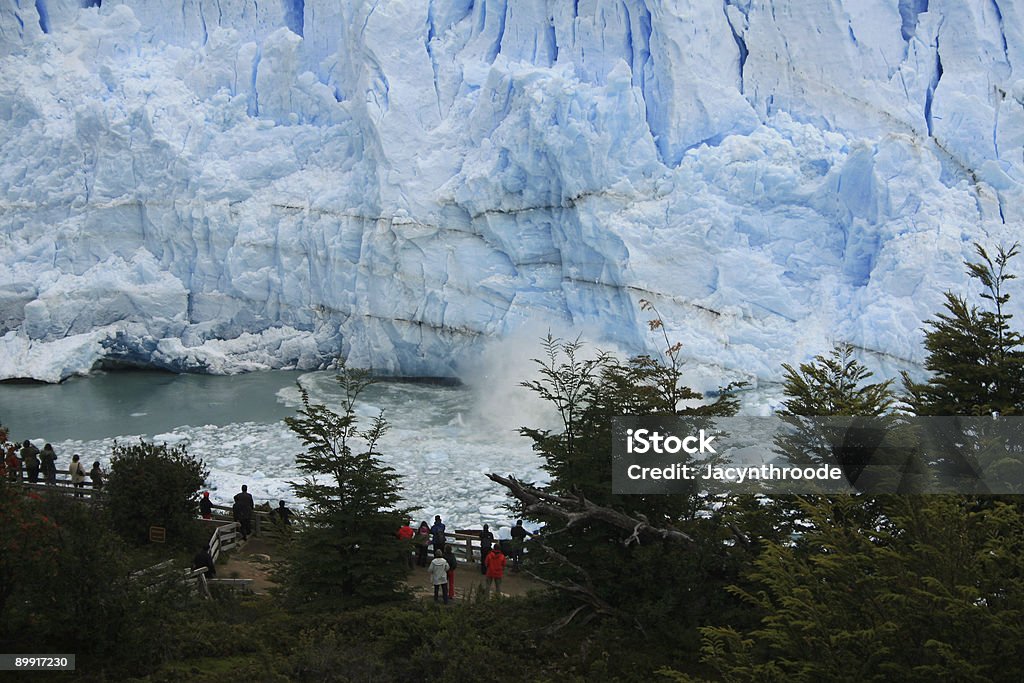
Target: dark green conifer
{"x":834,"y":385}
{"x":347,"y":553}
{"x":605,"y":567}
{"x":974,"y":356}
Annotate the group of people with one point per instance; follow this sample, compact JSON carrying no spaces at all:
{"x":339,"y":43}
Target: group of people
{"x":242,"y":511}
{"x":444,"y":563}
{"x":25,"y":462}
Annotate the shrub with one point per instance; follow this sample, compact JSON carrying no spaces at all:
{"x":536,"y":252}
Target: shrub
{"x":155,"y":485}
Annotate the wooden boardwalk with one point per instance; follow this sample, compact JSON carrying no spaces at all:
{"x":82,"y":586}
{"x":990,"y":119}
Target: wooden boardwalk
{"x":248,"y":566}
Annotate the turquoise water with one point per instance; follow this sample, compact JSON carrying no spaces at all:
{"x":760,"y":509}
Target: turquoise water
{"x":116,"y":403}
{"x":442,"y":440}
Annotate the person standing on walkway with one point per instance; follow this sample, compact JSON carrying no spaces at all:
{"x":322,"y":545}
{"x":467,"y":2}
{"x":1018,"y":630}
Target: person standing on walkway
{"x":421,"y":541}
{"x":13,"y":463}
{"x":96,"y":474}
{"x":77,"y":473}
{"x":30,"y":459}
{"x":453,"y":563}
{"x":283,"y":513}
{"x":438,"y":533}
{"x":48,"y":465}
{"x":438,"y":570}
{"x":243,"y":507}
{"x":206,"y":506}
{"x":486,"y":541}
{"x":406,"y":534}
{"x":519,"y":534}
{"x":495,"y":570}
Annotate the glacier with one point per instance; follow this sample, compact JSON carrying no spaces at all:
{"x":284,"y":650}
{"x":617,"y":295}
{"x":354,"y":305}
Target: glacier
{"x":231,"y":185}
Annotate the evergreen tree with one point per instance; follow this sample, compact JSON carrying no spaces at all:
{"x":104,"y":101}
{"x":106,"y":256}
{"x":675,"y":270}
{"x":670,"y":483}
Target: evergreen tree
{"x":975,"y":358}
{"x":611,"y":555}
{"x":929,"y":588}
{"x":977,"y":365}
{"x":347,"y":553}
{"x":836,"y":386}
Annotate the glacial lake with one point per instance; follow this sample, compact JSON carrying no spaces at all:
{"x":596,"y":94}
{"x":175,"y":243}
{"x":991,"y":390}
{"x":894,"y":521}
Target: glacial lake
{"x":442,"y":439}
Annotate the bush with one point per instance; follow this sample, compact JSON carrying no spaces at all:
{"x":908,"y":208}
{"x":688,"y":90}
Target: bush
{"x":155,"y":485}
{"x":71,"y":591}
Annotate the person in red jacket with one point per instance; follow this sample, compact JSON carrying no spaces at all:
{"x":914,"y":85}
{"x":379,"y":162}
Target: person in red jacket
{"x":13,"y":463}
{"x":495,"y":561}
{"x":405,"y":535}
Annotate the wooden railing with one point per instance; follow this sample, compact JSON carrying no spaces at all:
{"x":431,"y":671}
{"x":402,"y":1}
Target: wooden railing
{"x":262,"y":520}
{"x":225,"y":537}
{"x":465,"y":544}
{"x":63,"y":486}
{"x":153,"y":577}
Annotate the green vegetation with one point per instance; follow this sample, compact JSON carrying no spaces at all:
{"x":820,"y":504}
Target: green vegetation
{"x":155,"y":485}
{"x":975,"y":358}
{"x":67,"y":588}
{"x":600,"y":565}
{"x":347,"y":553}
{"x":903,"y":588}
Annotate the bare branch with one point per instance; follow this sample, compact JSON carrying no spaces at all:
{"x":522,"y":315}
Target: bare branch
{"x":576,"y":509}
{"x":585,"y":593}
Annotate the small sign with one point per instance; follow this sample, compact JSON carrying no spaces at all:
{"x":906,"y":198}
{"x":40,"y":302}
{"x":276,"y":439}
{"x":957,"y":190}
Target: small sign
{"x":157,"y":534}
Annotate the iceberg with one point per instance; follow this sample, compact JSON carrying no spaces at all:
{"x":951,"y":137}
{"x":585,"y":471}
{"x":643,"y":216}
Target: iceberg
{"x":232,"y":185}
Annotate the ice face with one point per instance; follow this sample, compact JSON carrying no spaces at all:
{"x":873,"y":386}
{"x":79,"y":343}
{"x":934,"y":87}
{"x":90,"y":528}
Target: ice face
{"x":236,"y":185}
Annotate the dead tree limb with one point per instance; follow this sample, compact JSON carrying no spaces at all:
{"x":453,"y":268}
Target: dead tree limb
{"x":585,"y":593}
{"x":576,"y":509}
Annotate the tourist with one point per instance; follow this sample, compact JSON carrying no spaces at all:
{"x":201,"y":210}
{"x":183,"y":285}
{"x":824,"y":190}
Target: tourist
{"x":283,"y":513}
{"x":30,"y":459}
{"x":204,"y":559}
{"x":77,"y":473}
{"x":453,"y":563}
{"x":495,"y":562}
{"x":405,"y":535}
{"x":421,"y":541}
{"x":206,"y":506}
{"x":48,"y":465}
{"x":519,"y":535}
{"x":438,"y":570}
{"x":13,"y":463}
{"x":486,"y":541}
{"x":438,"y":532}
{"x":242,"y":509}
{"x":96,"y":474}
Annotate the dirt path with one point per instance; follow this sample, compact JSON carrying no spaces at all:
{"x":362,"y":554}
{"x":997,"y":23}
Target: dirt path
{"x":251,"y":561}
{"x":254,"y":561}
{"x":469,"y":579}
